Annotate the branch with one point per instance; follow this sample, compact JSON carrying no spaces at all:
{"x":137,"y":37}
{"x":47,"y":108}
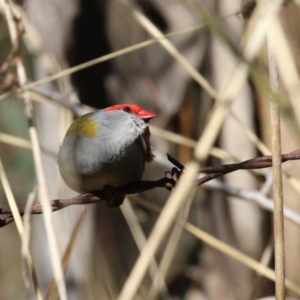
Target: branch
{"x":168,"y":182}
{"x":89,"y":198}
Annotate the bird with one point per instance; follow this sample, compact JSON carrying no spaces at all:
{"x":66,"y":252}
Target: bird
{"x":106,"y":149}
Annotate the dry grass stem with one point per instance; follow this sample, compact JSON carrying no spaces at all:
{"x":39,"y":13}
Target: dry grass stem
{"x":32,"y":38}
{"x":15,"y":31}
{"x":109,"y":56}
{"x":170,"y":249}
{"x":277,"y":173}
{"x":251,"y":44}
{"x":224,"y":248}
{"x":141,"y":240}
{"x":252,"y":136}
{"x":239,"y":256}
{"x":51,"y":293}
{"x":25,"y":248}
{"x":159,"y":231}
{"x":288,"y":71}
{"x":202,"y":149}
{"x":154,"y":31}
{"x":172,"y":217}
{"x":15,"y":212}
{"x":184,"y":141}
{"x":14,"y":141}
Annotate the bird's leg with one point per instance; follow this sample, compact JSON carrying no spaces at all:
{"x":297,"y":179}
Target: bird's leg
{"x":112,"y":197}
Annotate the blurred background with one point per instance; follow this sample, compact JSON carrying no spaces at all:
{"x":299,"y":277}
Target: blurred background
{"x":207,"y":34}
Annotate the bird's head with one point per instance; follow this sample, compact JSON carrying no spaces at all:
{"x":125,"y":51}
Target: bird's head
{"x":134,"y":109}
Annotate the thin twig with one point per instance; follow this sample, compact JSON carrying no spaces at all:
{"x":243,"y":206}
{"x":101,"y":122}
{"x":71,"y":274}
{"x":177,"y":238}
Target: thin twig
{"x":168,"y":182}
{"x":257,"y":197}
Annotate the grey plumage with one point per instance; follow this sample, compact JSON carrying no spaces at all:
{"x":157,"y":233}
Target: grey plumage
{"x":114,"y":157}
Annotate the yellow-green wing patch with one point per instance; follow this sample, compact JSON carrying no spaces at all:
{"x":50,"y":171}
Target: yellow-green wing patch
{"x":84,"y":125}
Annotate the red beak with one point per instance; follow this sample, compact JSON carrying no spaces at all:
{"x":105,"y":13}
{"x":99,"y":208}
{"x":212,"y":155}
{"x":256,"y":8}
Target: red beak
{"x":145,"y":115}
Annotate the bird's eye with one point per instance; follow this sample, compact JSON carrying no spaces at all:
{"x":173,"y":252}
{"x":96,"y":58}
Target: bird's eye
{"x":127,"y":109}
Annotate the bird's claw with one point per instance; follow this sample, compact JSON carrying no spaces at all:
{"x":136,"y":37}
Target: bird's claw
{"x":173,"y":178}
{"x":175,"y":173}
